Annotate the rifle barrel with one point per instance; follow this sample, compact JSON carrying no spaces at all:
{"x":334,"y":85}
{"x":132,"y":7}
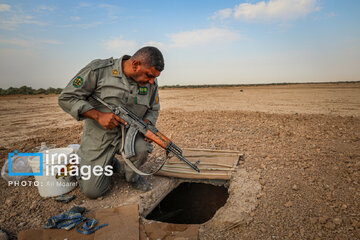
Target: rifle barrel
{"x":182,"y":158}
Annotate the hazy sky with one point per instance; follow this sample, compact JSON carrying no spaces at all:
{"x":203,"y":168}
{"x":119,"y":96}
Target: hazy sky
{"x":45,"y":43}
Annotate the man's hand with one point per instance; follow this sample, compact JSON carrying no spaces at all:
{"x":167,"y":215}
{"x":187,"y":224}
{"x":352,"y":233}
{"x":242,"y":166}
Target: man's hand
{"x":147,"y":121}
{"x":107,"y":120}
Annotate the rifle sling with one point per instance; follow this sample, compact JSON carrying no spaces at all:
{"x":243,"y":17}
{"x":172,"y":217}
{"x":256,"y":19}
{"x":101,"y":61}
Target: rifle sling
{"x":128,"y":162}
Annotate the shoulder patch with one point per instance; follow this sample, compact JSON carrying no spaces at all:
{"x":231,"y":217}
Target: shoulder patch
{"x":78,"y":82}
{"x":143,"y":90}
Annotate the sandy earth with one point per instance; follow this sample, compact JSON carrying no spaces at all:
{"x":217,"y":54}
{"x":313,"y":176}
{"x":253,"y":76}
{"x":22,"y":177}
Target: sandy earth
{"x":300,"y":178}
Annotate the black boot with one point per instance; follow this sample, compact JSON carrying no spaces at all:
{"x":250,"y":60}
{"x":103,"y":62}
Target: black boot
{"x":141,"y":184}
{"x":116,"y":166}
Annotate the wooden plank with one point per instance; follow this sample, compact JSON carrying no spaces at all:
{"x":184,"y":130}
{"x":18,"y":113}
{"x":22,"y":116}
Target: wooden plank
{"x":214,"y":164}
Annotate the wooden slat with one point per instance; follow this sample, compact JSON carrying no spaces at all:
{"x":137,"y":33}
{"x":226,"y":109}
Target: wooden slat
{"x":214,"y":164}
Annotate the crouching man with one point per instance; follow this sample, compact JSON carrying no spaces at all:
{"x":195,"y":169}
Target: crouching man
{"x":129,"y":81}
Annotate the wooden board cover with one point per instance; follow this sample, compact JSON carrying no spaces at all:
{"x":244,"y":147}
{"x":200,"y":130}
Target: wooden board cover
{"x":214,"y":164}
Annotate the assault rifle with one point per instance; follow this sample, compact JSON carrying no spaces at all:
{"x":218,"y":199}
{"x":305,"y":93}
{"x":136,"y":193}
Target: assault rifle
{"x":135,"y":125}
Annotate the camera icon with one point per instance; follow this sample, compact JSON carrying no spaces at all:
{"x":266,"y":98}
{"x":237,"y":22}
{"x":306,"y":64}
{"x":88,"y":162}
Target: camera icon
{"x":33,"y":156}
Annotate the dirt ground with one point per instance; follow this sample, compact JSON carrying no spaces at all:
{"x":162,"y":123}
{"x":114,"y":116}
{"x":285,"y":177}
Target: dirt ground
{"x":301,"y":146}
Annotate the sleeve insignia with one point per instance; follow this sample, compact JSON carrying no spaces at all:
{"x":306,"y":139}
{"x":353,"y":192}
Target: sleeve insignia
{"x":157,"y":99}
{"x":115,"y":72}
{"x":78,"y":82}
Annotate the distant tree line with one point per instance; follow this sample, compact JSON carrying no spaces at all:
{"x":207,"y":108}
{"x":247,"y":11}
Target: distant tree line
{"x":29,"y":91}
{"x":252,"y":85}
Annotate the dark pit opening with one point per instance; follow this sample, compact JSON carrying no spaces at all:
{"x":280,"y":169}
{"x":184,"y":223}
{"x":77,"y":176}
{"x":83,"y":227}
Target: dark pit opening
{"x":190,"y":203}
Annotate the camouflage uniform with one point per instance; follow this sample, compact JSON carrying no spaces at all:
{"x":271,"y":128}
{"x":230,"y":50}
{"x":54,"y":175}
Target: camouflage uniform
{"x":105,"y":79}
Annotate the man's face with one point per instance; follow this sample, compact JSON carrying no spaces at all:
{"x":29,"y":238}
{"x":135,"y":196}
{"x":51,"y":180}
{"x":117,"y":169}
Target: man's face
{"x":144,"y":75}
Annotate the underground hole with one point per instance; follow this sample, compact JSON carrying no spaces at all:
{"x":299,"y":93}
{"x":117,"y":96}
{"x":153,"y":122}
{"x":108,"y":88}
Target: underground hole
{"x":190,"y":203}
